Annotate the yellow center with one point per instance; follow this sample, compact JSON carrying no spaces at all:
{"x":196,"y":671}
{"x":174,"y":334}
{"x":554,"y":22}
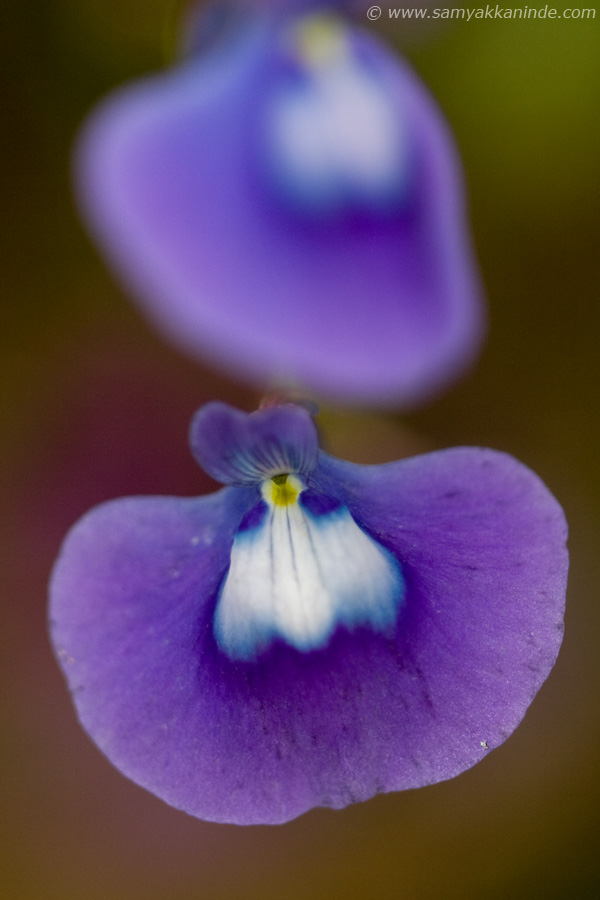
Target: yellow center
{"x":282,"y":490}
{"x":321,"y":40}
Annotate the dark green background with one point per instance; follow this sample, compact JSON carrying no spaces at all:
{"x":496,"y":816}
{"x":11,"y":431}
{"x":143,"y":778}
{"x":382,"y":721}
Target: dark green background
{"x":93,"y":404}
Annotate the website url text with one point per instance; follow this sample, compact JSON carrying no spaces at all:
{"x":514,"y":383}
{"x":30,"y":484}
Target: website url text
{"x":487,"y":12}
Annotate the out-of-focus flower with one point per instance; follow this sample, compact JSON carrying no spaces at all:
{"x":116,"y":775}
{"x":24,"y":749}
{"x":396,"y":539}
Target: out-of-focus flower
{"x":287,"y":203}
{"x":316,"y":631}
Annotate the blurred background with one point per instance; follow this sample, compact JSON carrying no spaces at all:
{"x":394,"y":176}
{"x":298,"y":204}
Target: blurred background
{"x":94,"y":405}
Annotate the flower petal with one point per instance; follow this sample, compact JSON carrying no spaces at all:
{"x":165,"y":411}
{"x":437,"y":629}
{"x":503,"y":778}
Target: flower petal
{"x":237,"y":448}
{"x":481,"y":545}
{"x":380,"y":307}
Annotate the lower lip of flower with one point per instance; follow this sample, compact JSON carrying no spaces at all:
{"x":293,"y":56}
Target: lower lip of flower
{"x":300,"y":568}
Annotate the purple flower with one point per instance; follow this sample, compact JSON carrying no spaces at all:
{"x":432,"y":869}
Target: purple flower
{"x":315,"y":632}
{"x":288,"y":204}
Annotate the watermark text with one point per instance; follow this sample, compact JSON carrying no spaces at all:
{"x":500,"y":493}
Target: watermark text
{"x":482,"y":12}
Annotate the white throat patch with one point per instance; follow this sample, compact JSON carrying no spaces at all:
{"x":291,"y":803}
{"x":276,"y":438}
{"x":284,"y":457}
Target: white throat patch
{"x":336,"y":134}
{"x":298,"y":574}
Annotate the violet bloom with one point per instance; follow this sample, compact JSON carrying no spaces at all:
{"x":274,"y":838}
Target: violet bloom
{"x":288,"y":204}
{"x":315,"y":632}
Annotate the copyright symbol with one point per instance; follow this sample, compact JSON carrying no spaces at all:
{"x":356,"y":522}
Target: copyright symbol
{"x":373,"y":12}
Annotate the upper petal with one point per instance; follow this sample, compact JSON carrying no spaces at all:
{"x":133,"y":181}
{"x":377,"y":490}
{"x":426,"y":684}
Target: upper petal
{"x":240,"y":448}
{"x":367,"y":308}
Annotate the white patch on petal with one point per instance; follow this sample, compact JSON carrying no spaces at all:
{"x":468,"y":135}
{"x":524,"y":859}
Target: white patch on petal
{"x":336,"y":135}
{"x":297,"y":577}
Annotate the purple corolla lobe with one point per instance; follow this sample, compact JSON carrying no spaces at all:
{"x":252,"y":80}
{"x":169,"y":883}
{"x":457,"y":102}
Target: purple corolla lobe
{"x":310,"y":636}
{"x":287,"y":203}
{"x":235,"y":448}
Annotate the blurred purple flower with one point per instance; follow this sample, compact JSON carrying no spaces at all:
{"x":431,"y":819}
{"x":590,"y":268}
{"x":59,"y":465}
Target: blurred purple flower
{"x":288,"y":203}
{"x":315,"y":632}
